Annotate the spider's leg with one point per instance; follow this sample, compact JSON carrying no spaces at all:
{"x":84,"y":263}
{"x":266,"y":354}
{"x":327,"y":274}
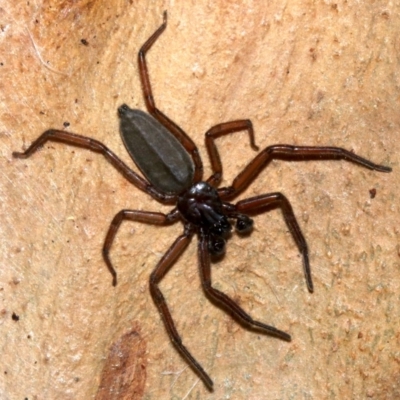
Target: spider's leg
{"x":161,"y":269}
{"x":224,"y":300}
{"x":183,"y":138}
{"x":292,"y":153}
{"x":264,"y":203}
{"x":94,"y":145}
{"x":146,"y":217}
{"x":221,"y":130}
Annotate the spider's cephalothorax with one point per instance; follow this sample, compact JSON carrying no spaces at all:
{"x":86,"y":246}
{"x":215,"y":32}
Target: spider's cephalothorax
{"x":173,"y":170}
{"x":202,"y":207}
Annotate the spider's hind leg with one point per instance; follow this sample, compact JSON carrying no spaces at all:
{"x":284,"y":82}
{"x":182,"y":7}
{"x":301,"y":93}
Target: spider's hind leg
{"x":94,"y":145}
{"x":171,"y":126}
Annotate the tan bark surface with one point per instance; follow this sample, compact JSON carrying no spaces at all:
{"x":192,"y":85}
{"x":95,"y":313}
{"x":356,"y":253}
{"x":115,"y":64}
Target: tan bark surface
{"x":306,"y":73}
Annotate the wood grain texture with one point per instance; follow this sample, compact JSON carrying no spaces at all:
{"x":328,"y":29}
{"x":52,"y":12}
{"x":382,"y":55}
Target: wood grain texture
{"x":124,"y":372}
{"x":306,"y":73}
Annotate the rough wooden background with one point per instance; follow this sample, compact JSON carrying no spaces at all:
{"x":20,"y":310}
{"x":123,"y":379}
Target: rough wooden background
{"x":305,"y":72}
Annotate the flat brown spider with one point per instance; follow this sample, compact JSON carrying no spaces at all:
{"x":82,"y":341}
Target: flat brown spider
{"x":173,"y":172}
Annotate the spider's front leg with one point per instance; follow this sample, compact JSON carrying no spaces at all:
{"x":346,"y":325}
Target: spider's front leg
{"x":153,"y":218}
{"x":94,"y":145}
{"x":169,"y":258}
{"x":222,"y":299}
{"x":264,"y":203}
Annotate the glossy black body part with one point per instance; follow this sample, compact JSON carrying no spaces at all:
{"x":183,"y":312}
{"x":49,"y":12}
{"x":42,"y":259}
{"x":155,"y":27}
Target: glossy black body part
{"x":173,"y":174}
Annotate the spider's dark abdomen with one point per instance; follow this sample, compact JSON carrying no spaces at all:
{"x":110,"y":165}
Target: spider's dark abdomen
{"x":157,"y":153}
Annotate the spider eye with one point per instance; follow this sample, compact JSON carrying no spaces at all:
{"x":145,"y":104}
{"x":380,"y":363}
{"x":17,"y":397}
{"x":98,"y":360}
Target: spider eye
{"x":244,"y":224}
{"x":216,"y":245}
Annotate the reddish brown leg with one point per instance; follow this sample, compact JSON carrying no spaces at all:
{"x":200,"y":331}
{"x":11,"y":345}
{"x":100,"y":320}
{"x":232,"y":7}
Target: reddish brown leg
{"x":98,"y":147}
{"x":227,"y":302}
{"x":292,"y":153}
{"x":185,"y":140}
{"x":153,"y":218}
{"x":267,"y":201}
{"x":161,"y":269}
{"x":221,"y":130}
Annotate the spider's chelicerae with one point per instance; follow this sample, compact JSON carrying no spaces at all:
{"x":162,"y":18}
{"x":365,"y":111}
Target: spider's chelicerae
{"x":173,"y":172}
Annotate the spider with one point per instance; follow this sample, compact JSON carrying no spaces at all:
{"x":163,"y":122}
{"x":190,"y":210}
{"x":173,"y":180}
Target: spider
{"x":173,"y":171}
